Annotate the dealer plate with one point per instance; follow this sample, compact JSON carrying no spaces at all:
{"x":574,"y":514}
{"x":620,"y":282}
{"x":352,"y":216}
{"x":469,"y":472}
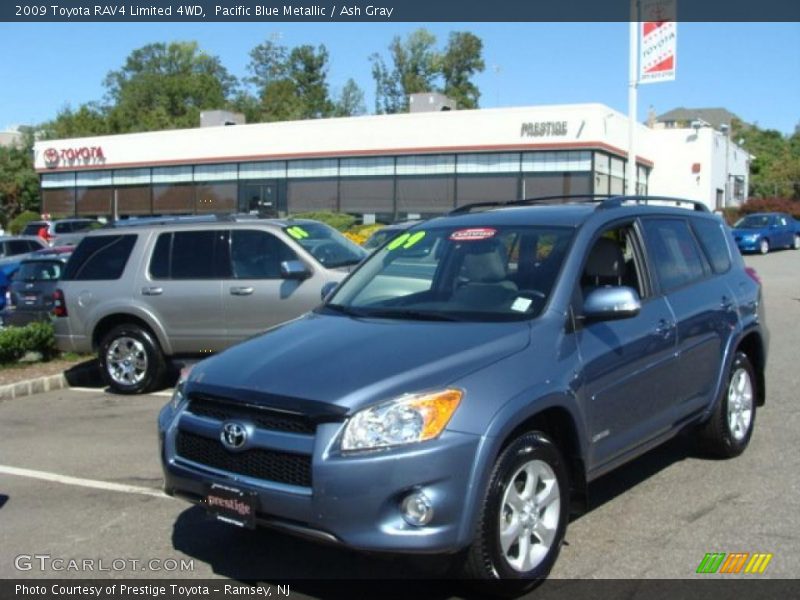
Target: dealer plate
{"x":231,"y":505}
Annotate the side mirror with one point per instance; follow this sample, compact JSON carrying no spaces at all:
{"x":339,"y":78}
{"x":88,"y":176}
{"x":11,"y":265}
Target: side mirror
{"x":609,"y":303}
{"x":294,"y":269}
{"x":327,"y":289}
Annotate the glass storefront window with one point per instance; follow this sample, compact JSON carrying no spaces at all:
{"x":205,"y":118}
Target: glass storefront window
{"x":307,"y":195}
{"x":216,"y":197}
{"x":486,"y":189}
{"x":173,"y":199}
{"x":93,"y":201}
{"x":374,"y":194}
{"x":424,"y":195}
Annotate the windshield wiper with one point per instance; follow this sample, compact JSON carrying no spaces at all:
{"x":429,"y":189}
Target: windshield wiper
{"x":410,"y":313}
{"x":346,"y":310}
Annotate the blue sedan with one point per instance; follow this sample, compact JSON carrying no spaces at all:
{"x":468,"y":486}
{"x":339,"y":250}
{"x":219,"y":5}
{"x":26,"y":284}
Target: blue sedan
{"x":761,"y":232}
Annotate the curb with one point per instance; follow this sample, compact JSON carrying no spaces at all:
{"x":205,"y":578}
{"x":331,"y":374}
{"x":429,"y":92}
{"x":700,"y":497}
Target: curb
{"x":33,"y":386}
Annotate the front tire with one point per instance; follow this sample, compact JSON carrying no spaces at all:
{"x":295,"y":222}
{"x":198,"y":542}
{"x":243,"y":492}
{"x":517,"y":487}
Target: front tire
{"x":796,"y":244}
{"x":524,"y":515}
{"x":132,"y":360}
{"x":727,"y":433}
{"x":763,"y":246}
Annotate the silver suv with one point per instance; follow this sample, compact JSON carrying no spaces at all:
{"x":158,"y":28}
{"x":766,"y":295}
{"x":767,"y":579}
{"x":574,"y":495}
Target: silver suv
{"x":141,"y":294}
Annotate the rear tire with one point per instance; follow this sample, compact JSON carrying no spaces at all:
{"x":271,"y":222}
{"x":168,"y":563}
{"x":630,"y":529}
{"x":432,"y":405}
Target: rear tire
{"x":727,"y":433}
{"x":523,"y":517}
{"x":132,"y":360}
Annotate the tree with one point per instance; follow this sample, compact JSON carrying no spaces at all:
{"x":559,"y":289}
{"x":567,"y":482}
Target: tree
{"x":350,"y":102}
{"x":89,"y":119}
{"x":775,"y":168}
{"x":417,"y":66}
{"x":19,"y":184}
{"x":289,"y":84}
{"x":461,"y":60}
{"x":165,"y":86}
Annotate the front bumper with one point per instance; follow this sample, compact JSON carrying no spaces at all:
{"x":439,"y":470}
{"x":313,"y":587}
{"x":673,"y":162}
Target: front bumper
{"x":353,"y":500}
{"x":749,"y":245}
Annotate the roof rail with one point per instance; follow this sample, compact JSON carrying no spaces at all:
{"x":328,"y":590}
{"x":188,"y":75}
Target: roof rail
{"x":563,"y":198}
{"x":617,"y":201}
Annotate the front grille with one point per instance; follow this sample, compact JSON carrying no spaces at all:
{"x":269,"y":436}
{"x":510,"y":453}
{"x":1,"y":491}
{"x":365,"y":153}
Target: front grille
{"x":270,"y":465}
{"x":263,"y":418}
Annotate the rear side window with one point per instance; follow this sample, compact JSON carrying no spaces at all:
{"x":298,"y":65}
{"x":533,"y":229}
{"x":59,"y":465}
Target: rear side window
{"x":33,"y":228}
{"x":63,"y":227}
{"x":257,"y":254}
{"x":100,"y":258}
{"x":676,"y":258}
{"x":15,"y":247}
{"x":712,"y":239}
{"x":191,"y":255}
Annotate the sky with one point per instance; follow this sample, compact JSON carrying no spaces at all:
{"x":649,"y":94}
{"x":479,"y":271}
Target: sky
{"x":752,"y":69}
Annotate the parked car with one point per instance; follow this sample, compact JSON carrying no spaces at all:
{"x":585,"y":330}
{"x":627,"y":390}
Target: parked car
{"x":13,"y":249}
{"x":62,"y":232}
{"x":139,"y":295}
{"x":459,"y":410}
{"x":383,"y":235}
{"x":29,"y":297}
{"x":761,"y":232}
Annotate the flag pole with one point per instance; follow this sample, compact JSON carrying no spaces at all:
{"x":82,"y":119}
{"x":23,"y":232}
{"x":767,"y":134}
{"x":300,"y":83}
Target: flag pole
{"x":633,"y":76}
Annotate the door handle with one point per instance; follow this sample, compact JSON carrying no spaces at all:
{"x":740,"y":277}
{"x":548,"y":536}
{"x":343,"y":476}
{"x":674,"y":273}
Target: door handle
{"x":664,"y":328}
{"x":242,"y":291}
{"x":152,"y":291}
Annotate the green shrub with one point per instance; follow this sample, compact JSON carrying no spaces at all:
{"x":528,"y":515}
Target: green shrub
{"x":16,"y":342}
{"x":18,"y":223}
{"x":340,"y":221}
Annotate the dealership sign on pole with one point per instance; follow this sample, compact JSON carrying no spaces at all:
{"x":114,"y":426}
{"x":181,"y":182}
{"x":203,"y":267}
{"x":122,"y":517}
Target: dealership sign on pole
{"x":658,"y":39}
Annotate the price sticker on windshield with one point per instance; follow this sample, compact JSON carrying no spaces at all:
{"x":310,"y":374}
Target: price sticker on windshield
{"x":474,"y":234}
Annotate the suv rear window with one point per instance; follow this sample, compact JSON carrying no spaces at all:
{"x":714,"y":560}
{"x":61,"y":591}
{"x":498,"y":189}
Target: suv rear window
{"x":100,"y":258}
{"x":712,"y":239}
{"x":33,"y":228}
{"x":676,"y":257}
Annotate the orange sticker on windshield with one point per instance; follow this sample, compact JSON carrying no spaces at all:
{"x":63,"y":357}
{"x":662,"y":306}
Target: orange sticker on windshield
{"x":472,"y":235}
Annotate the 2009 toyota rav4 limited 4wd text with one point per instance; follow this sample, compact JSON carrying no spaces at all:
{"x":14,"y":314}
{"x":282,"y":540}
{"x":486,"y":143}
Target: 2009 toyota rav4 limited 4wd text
{"x":470,"y":378}
{"x":141,"y":294}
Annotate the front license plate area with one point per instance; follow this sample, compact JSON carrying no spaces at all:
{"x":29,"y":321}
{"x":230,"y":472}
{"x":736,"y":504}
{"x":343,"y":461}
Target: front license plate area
{"x":231,"y":505}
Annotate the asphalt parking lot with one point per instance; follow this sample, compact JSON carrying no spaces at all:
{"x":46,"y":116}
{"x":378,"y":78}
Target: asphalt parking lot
{"x":80,"y":478}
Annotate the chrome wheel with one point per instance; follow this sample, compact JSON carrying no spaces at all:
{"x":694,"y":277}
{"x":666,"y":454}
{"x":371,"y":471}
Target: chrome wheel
{"x":797,"y":242}
{"x":529,"y":515}
{"x":126,"y":361}
{"x":740,"y":404}
{"x":763,"y":247}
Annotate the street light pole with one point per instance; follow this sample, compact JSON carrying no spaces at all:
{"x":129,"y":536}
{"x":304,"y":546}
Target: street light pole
{"x":633,"y":76}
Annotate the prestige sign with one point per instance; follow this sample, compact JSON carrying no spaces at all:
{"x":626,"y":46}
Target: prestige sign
{"x":543,"y":129}
{"x":74,"y":157}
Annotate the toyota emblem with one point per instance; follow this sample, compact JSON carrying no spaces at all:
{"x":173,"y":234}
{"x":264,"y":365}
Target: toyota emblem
{"x":233,"y":435}
{"x":51,"y":157}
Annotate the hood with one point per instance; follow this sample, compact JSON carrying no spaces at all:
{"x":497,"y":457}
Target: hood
{"x":345,"y":363}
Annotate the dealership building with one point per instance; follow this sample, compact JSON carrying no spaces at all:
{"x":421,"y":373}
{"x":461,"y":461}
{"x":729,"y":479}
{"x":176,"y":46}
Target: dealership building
{"x":385,"y":167}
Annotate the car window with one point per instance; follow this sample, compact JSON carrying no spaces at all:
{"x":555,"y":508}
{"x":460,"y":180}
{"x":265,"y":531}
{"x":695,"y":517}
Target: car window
{"x":675,"y":256}
{"x":40,"y":270}
{"x":257,"y":254}
{"x":33,"y":228}
{"x":33,"y":246}
{"x":100,"y":258}
{"x":63,"y":227}
{"x":613,"y":261}
{"x":15,"y":247}
{"x":783,"y":221}
{"x":712,"y":239}
{"x":464,"y":273}
{"x":191,"y":255}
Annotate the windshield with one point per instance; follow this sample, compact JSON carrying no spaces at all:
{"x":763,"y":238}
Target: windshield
{"x":379,"y":238}
{"x":477,"y":273}
{"x":40,"y":270}
{"x":752,"y":222}
{"x":326,"y":244}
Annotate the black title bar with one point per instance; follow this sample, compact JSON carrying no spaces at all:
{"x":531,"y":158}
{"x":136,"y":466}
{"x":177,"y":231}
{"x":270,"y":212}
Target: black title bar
{"x":111,"y":11}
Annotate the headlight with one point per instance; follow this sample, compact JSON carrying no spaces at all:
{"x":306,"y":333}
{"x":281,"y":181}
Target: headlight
{"x":178,"y":396}
{"x":404,"y":420}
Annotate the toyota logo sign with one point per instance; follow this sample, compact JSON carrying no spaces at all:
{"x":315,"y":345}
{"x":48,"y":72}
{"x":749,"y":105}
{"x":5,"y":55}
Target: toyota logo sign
{"x":233,"y":435}
{"x":51,"y":157}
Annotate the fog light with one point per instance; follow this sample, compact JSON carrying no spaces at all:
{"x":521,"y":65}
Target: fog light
{"x":417,"y":509}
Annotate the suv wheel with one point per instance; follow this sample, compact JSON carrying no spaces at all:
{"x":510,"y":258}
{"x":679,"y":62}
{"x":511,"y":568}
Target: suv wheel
{"x":763,"y":246}
{"x":131,"y":359}
{"x":730,"y":427}
{"x":796,"y":244}
{"x":524,"y":514}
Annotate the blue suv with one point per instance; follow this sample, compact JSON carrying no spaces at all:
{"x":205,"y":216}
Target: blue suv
{"x":470,"y":378}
